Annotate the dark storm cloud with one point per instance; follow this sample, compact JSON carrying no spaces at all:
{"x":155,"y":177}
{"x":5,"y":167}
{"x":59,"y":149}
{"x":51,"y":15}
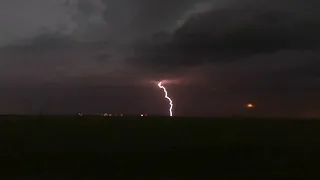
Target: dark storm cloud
{"x":133,"y":19}
{"x":58,"y":58}
{"x":86,"y":8}
{"x":88,"y":42}
{"x":183,"y":33}
{"x":26,"y":19}
{"x":241,"y":29}
{"x":126,"y":20}
{"x":61,"y":48}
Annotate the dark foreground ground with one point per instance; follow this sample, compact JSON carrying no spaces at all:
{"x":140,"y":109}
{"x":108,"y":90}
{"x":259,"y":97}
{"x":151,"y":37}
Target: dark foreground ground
{"x":158,"y":148}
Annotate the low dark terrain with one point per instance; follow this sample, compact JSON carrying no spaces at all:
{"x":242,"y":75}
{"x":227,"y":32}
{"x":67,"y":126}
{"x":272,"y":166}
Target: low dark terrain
{"x":158,"y":148}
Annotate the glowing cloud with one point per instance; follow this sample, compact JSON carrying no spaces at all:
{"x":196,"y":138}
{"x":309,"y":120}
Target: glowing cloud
{"x":167,"y":97}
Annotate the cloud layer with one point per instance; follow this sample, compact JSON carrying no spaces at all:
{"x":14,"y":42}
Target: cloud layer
{"x":234,"y":32}
{"x":235,"y":49}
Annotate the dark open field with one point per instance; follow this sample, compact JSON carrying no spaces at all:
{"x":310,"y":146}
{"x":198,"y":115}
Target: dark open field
{"x":158,"y":148}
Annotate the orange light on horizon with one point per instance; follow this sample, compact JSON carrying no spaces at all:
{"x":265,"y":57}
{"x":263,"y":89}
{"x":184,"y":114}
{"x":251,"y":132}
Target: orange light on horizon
{"x":250,"y":105}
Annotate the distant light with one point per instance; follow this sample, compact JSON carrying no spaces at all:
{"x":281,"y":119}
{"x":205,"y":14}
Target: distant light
{"x":105,"y":114}
{"x":121,"y":115}
{"x":250,"y":105}
{"x":110,"y":114}
{"x":146,"y":115}
{"x":141,"y":115}
{"x":79,"y":114}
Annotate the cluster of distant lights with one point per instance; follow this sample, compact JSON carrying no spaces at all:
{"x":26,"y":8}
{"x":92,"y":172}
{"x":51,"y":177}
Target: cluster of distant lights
{"x":106,"y":114}
{"x":114,"y":115}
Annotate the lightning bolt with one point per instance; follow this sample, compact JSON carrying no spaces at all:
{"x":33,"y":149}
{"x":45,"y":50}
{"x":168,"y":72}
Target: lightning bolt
{"x":167,"y":97}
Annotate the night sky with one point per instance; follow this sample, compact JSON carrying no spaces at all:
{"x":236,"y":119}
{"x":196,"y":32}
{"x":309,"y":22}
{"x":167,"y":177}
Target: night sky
{"x":94,"y":56}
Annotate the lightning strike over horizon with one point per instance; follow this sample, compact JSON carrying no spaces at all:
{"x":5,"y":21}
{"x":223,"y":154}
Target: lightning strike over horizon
{"x":167,"y":97}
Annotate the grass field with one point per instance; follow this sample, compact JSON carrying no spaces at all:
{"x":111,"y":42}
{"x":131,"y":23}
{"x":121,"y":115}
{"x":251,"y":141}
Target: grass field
{"x":158,"y":148}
